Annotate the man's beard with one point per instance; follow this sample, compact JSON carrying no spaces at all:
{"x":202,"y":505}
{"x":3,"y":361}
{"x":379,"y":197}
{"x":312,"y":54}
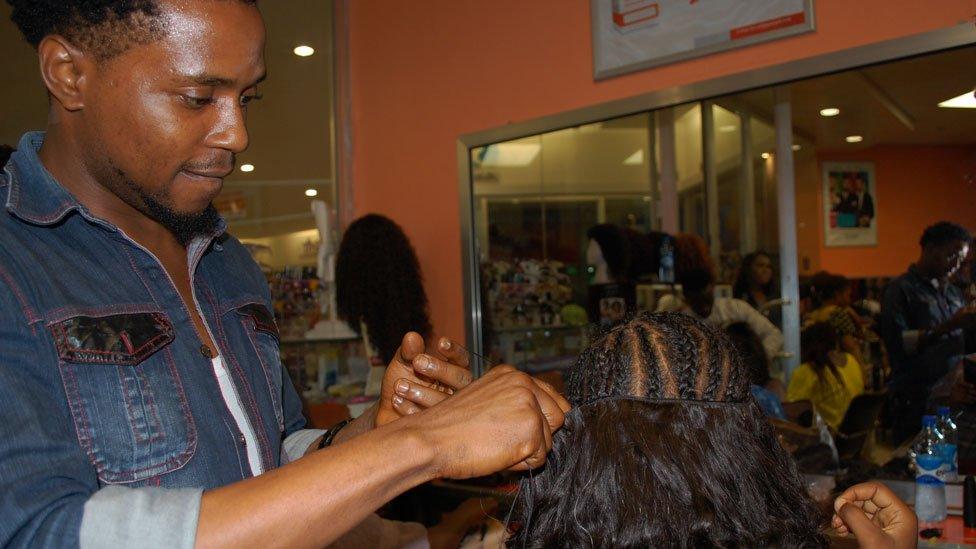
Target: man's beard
{"x":184,"y":226}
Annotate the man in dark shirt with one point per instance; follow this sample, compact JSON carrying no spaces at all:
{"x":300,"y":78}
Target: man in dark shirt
{"x":924,"y":319}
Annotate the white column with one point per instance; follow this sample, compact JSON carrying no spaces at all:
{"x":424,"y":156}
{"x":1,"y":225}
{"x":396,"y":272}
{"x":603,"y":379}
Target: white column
{"x":711,"y":182}
{"x":747,"y":178}
{"x":789,"y":270}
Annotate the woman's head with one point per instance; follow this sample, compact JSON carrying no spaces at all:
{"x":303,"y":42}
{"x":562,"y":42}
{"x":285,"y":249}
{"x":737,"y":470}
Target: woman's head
{"x":664,"y":447}
{"x":755,"y":273}
{"x":378,"y":283}
{"x":817,"y":343}
{"x":830,"y":289}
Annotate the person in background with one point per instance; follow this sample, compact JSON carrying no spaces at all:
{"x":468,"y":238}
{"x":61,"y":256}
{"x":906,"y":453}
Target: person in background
{"x":924,"y":320}
{"x":828,"y":377}
{"x":755,"y":285}
{"x":768,"y":391}
{"x":832,"y":304}
{"x":699,"y":301}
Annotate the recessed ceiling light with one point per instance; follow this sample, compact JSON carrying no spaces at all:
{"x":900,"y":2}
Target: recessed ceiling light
{"x":304,"y":51}
{"x":766,"y":156}
{"x":964,"y":101}
{"x":728,"y":128}
{"x":311,"y":192}
{"x":796,"y":147}
{"x":853,"y":139}
{"x":635,"y":159}
{"x":247,"y":168}
{"x":829,"y":111}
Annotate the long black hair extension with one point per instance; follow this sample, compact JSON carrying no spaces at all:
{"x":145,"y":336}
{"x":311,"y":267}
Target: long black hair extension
{"x":664,"y":448}
{"x":378,"y":283}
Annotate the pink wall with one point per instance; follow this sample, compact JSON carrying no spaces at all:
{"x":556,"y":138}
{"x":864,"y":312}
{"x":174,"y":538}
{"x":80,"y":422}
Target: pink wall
{"x":916,"y":186}
{"x":423,"y":73}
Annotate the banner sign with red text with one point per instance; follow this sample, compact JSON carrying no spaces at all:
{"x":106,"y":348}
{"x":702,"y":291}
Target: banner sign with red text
{"x":630,"y":35}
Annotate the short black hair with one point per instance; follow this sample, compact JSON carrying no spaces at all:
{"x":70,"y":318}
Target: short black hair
{"x":696,"y":281}
{"x":615,"y":248}
{"x":944,"y":232}
{"x":105,"y":28}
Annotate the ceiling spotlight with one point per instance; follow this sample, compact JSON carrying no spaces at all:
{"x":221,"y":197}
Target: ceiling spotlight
{"x":728,"y":128}
{"x":247,"y":168}
{"x":766,"y":156}
{"x":853,"y":139}
{"x":311,"y":192}
{"x":304,"y":51}
{"x":796,"y":147}
{"x":964,"y":101}
{"x":829,"y":111}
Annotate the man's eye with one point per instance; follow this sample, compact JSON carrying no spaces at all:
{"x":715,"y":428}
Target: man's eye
{"x":247,"y":99}
{"x":197,"y":102}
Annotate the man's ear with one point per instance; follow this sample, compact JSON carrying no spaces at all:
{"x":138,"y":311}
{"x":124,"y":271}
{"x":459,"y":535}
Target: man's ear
{"x":64,"y":69}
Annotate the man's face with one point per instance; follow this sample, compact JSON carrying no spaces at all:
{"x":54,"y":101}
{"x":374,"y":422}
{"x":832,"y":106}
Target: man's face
{"x":945,"y":259}
{"x":163,"y":121}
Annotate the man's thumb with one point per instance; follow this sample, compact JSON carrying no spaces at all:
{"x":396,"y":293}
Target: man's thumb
{"x":867,"y":532}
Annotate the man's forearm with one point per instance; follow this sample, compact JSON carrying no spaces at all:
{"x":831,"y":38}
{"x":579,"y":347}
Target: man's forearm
{"x":313,"y":501}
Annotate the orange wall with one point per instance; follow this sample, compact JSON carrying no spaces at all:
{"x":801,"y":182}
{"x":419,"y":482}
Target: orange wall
{"x":424,"y":72}
{"x":916,"y":186}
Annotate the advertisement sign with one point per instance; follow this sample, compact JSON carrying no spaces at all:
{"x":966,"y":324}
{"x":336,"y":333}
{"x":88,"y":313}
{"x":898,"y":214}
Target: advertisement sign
{"x":850,"y":204}
{"x":630,"y":35}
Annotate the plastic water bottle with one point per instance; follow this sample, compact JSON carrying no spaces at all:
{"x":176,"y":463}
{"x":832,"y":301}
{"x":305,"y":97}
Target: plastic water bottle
{"x":950,"y":454}
{"x":665,"y":272}
{"x":930,"y":497}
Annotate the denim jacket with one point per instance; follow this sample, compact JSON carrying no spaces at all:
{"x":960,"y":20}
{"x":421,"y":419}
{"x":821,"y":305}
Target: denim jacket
{"x":112,"y":419}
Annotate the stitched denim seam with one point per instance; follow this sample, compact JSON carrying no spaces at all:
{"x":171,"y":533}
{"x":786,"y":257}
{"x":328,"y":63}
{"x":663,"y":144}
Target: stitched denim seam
{"x":247,"y":392}
{"x":150,"y":397}
{"x":18,"y":293}
{"x":275,"y":401}
{"x":60,"y":314}
{"x":129,"y":407}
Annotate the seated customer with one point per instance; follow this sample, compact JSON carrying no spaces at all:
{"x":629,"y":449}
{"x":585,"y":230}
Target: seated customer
{"x":828,"y":377}
{"x":664,"y":448}
{"x":698,"y":287}
{"x":768,"y":391}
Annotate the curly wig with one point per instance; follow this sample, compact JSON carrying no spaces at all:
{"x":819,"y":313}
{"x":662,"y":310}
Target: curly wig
{"x":378,"y":283}
{"x":105,"y":28}
{"x":664,"y":448}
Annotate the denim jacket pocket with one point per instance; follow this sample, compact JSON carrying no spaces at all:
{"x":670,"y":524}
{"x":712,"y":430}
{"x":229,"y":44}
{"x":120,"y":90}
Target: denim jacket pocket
{"x":126,"y":398}
{"x":260,"y":327}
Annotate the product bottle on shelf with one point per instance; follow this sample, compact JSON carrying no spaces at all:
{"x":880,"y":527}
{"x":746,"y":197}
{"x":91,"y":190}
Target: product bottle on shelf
{"x":949,"y":447}
{"x":666,"y":270}
{"x":930,"y":497}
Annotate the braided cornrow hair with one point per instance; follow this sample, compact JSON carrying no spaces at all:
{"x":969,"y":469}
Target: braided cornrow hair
{"x":665,"y":448}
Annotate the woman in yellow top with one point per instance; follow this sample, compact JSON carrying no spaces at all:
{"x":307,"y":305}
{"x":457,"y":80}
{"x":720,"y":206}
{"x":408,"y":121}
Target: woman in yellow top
{"x":828,"y":377}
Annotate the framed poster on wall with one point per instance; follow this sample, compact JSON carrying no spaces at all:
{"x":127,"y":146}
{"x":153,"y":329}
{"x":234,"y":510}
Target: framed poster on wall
{"x":850,"y":204}
{"x":630,"y":35}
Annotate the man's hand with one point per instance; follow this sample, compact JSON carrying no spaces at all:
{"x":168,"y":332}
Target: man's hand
{"x":875,"y":515}
{"x":415,"y":380}
{"x":504,"y":420}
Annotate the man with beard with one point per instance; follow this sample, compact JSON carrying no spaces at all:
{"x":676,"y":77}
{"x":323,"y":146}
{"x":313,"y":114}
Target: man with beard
{"x":141,"y":389}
